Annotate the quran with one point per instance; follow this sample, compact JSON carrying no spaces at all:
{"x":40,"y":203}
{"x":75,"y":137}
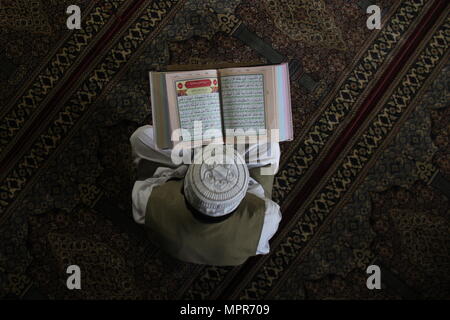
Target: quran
{"x":252,"y":99}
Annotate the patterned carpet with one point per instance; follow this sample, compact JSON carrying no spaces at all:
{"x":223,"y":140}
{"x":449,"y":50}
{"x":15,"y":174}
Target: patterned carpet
{"x":366,"y":180}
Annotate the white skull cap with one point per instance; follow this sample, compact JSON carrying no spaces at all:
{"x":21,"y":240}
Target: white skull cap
{"x":217,"y":181}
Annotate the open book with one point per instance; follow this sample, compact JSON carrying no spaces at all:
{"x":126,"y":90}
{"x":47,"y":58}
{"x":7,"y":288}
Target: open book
{"x":254,"y":99}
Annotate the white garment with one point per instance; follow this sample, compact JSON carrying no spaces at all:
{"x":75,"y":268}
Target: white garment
{"x":143,"y":147}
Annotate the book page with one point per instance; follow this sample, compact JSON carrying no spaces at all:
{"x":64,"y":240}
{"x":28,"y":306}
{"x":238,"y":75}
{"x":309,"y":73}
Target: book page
{"x":243,"y":101}
{"x":249,"y":98}
{"x":196,"y":99}
{"x":284,"y":109}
